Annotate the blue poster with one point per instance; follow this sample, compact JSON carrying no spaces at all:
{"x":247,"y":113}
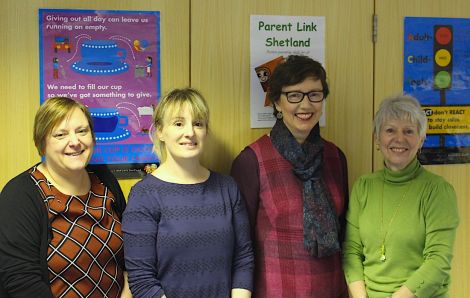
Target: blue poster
{"x":437,"y":72}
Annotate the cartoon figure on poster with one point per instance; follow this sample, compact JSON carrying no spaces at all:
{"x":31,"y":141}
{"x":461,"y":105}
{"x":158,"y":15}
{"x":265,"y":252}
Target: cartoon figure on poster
{"x":264,"y":72}
{"x":55,"y":67}
{"x":149,"y":66}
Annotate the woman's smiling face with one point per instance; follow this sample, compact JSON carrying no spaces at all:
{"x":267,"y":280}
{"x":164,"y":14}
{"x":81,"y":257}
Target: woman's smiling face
{"x":301,"y":117}
{"x":70,"y":144}
{"x":399,"y":142}
{"x":183,"y":135}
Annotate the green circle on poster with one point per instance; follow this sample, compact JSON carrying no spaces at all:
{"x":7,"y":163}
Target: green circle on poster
{"x":442,"y":80}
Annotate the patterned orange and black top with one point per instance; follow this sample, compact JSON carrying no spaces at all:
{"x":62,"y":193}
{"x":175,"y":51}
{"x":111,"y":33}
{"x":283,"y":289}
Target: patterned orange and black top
{"x":86,"y":251}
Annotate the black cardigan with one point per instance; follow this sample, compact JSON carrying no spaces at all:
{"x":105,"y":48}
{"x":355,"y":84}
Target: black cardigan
{"x":25,"y":233}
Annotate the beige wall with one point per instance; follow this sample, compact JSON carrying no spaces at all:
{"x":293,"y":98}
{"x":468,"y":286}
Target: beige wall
{"x":205,"y":44}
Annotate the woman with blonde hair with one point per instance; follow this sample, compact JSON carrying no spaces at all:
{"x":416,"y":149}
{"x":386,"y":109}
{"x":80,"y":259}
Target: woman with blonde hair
{"x":186,"y":231}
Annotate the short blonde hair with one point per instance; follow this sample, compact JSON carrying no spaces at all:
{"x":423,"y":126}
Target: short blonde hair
{"x":401,"y":107}
{"x":50,"y":114}
{"x":175,"y":101}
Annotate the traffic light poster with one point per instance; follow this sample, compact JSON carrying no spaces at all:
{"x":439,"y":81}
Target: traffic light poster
{"x":437,"y":72}
{"x":109,"y":61}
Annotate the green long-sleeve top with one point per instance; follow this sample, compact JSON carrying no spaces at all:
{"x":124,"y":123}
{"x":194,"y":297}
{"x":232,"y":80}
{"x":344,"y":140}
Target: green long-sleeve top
{"x":413,"y":212}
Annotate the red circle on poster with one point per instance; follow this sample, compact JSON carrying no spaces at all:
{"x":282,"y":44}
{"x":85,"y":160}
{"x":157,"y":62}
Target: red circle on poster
{"x":443,"y":35}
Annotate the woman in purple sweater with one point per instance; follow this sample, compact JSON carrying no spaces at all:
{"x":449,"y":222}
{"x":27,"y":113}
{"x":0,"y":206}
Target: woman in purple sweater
{"x":186,"y":231}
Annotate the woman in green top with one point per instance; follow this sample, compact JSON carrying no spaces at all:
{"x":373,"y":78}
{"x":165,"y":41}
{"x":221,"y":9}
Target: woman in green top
{"x":402,"y":220}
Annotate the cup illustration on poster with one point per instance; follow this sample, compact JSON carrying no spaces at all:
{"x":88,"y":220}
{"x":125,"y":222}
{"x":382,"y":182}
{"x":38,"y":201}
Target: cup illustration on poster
{"x":109,"y":125}
{"x":101,"y":57}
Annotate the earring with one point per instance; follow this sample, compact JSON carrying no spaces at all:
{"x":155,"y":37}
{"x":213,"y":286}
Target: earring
{"x":279,"y":115}
{"x":377,"y":147}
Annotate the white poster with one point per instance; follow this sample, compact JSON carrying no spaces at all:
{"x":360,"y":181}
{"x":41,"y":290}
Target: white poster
{"x":273,"y":38}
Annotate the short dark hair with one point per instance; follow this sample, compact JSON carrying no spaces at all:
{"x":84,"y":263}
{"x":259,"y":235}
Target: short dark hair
{"x":295,"y":69}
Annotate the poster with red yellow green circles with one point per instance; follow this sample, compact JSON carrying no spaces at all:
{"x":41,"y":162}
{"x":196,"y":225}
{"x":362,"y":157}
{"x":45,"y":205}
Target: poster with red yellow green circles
{"x":436,"y":71}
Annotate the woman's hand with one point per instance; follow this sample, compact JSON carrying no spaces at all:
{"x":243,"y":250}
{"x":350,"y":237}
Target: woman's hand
{"x":403,"y":292}
{"x":126,"y":292}
{"x":240,"y":293}
{"x":358,"y":289}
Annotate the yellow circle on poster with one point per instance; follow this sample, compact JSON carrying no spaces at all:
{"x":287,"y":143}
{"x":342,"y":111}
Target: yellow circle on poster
{"x":442,"y":57}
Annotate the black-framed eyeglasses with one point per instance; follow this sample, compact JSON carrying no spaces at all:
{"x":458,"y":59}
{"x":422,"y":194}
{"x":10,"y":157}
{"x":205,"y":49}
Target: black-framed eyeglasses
{"x":297,"y":96}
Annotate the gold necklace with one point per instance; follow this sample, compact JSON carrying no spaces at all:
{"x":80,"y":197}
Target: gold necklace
{"x":51,"y":178}
{"x":59,"y":187}
{"x":382,"y":232}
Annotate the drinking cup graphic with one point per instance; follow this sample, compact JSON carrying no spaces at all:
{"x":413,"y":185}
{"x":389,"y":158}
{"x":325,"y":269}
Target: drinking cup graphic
{"x":101,"y":57}
{"x":109,"y":125}
{"x":107,"y":119}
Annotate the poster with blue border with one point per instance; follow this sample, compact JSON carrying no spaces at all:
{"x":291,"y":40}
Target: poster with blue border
{"x":437,"y":73}
{"x":110,"y":61}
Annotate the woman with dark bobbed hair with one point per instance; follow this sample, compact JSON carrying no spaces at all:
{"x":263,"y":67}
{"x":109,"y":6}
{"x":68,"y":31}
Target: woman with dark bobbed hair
{"x":295,"y":186}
